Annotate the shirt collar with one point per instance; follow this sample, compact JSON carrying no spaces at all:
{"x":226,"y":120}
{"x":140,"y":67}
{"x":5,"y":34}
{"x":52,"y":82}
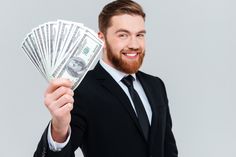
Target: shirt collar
{"x":116,"y":74}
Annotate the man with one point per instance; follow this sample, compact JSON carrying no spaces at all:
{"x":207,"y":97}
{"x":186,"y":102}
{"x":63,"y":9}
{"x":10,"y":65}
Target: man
{"x":117,"y":110}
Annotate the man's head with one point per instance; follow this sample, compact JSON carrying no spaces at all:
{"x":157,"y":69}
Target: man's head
{"x":121,"y":25}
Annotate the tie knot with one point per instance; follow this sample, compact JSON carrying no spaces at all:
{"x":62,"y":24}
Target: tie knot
{"x":128,"y":80}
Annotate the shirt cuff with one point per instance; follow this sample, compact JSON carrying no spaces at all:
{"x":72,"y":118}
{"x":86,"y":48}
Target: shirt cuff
{"x":53,"y":145}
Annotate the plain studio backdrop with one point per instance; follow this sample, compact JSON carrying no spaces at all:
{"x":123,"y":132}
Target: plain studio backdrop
{"x":191,"y":45}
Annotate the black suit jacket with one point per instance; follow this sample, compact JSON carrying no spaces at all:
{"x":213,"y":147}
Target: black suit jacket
{"x":104,"y":123}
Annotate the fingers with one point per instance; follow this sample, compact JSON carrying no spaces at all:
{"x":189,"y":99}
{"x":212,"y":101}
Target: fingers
{"x":59,"y":92}
{"x":54,"y":84}
{"x":66,"y":108}
{"x":57,"y":88}
{"x":59,"y":103}
{"x":61,"y":114}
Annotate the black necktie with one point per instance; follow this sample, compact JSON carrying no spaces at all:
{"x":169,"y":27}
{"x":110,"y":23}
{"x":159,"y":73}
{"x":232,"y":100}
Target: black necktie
{"x":140,"y":110}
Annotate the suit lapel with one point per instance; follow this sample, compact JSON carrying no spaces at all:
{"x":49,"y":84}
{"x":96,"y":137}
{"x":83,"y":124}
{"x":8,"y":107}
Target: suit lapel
{"x":155,"y":99}
{"x":111,"y":85}
{"x":152,"y":99}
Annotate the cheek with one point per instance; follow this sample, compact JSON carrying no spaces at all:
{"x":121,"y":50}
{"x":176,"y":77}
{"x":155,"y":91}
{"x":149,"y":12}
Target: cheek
{"x":121,"y":44}
{"x":116,"y":46}
{"x":142,"y":44}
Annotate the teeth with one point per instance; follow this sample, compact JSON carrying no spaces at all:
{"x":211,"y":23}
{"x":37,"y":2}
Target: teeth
{"x":131,"y":54}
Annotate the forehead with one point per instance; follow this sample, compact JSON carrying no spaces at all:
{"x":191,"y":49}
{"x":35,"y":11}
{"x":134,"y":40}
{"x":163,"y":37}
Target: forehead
{"x":133,"y":23}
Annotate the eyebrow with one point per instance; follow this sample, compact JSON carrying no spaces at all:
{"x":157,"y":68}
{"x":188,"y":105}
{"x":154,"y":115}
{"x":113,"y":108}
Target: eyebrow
{"x":126,"y":31}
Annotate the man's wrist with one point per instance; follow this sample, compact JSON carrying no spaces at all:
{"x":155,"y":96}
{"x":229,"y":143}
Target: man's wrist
{"x":53,"y":145}
{"x":59,"y":135}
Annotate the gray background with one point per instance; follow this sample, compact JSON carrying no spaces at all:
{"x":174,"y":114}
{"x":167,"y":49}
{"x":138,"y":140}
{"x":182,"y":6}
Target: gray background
{"x":190,"y":45}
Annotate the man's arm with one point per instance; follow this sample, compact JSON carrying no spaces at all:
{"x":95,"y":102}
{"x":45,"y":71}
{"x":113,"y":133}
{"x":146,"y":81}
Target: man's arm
{"x":170,"y":144}
{"x":59,"y":101}
{"x":53,"y":145}
{"x":43,"y":149}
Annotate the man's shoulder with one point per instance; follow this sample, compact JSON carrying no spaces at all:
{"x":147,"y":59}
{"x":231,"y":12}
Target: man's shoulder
{"x":154,"y":83}
{"x":147,"y":76}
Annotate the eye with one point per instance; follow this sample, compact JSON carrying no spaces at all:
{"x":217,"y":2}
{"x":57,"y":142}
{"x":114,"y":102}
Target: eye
{"x":123,"y":35}
{"x":141,"y":35}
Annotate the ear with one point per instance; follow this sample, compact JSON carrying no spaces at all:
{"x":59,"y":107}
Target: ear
{"x":102,"y":37}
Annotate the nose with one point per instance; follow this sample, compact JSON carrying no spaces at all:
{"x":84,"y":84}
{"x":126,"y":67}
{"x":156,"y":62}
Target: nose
{"x":133,"y":43}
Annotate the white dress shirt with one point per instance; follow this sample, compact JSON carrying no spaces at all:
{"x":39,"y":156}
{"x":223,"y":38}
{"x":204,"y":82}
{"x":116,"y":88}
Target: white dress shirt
{"x":117,"y":76}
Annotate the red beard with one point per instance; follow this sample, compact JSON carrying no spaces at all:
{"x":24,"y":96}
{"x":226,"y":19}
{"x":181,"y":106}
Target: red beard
{"x":123,"y":65}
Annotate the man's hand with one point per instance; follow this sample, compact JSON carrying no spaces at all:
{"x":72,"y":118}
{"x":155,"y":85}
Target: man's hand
{"x":59,"y":101}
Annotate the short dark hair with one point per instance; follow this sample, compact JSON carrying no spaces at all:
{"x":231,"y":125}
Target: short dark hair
{"x":118,"y":7}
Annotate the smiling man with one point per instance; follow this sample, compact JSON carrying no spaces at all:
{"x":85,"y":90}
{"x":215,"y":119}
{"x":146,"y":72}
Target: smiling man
{"x":125,"y":43}
{"x":117,"y":110}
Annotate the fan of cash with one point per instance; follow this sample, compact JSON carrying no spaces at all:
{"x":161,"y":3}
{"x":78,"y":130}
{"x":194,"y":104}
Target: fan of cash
{"x":62,"y":49}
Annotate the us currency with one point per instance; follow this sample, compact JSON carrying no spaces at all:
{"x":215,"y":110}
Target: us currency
{"x":62,"y":49}
{"x":44,"y":43}
{"x":80,"y":61}
{"x":64,"y":28}
{"x":52,"y":42}
{"x":38,"y":40}
{"x":74,"y":35}
{"x":31,"y":50}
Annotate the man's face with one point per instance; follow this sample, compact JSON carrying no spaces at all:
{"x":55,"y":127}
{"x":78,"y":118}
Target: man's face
{"x":125,"y":43}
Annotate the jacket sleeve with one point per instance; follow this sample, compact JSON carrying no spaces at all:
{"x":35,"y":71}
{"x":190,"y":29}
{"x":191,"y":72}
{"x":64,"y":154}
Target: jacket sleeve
{"x":44,"y":151}
{"x":170,"y":148}
{"x":170,"y":144}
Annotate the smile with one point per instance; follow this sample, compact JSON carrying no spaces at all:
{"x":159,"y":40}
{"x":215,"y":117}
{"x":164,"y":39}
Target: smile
{"x":131,"y":55}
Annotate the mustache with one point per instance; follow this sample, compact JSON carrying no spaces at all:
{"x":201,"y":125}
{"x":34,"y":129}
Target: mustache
{"x":137,"y":50}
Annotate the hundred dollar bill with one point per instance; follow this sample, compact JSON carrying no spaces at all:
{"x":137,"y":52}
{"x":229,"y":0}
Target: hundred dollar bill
{"x":63,"y":49}
{"x":82,"y":58}
{"x":29,"y":52}
{"x":34,"y":52}
{"x":38,"y":40}
{"x":63,"y":34}
{"x":75,"y":35}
